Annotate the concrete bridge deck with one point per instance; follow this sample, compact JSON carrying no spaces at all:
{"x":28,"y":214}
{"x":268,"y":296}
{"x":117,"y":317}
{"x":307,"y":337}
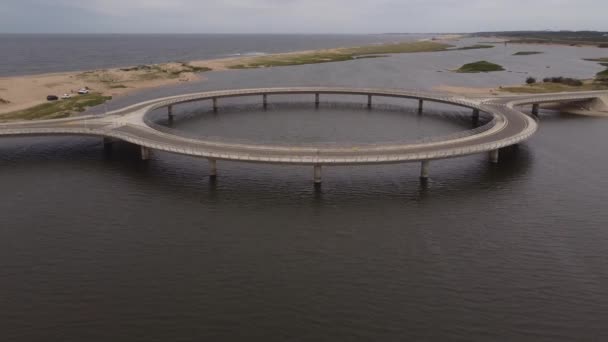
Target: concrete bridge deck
{"x":509,"y":126}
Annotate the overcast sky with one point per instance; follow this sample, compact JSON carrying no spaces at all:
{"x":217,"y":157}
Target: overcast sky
{"x":298,"y":16}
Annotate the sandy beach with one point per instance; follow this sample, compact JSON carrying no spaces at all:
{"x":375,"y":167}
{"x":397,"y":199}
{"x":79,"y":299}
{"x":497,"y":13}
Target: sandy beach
{"x":23,"y":92}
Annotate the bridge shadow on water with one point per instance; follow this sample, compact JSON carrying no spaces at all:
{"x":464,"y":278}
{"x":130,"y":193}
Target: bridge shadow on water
{"x":172,"y":175}
{"x":275,"y":185}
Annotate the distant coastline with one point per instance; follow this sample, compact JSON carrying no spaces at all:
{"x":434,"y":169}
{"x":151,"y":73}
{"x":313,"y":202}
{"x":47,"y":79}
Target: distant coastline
{"x":20,"y":93}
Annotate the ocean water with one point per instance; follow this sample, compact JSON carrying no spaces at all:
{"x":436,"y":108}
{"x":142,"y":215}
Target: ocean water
{"x":25,"y":54}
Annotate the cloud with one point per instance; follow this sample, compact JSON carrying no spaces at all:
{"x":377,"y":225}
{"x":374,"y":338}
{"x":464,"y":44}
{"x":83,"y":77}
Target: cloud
{"x":304,"y":16}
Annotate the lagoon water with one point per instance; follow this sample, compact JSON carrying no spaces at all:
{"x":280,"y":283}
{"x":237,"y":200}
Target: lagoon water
{"x":99,"y":246}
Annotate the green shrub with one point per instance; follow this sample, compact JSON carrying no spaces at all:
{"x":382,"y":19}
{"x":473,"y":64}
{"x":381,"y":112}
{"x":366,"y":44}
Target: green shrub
{"x":481,"y":66}
{"x":573,"y":82}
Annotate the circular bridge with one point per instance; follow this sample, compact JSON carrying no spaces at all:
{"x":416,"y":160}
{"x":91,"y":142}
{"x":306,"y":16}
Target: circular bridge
{"x":507,"y":127}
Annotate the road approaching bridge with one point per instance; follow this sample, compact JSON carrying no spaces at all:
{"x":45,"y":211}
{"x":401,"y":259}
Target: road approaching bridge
{"x":509,"y":126}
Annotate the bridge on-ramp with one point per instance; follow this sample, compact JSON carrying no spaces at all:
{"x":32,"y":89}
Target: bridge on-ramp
{"x":508,"y":126}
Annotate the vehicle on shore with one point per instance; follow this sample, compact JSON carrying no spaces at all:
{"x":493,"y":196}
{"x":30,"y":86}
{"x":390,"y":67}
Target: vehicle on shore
{"x":83,"y":91}
{"x":52,"y":98}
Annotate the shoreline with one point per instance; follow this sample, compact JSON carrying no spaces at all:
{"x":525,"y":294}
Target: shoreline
{"x":20,"y":93}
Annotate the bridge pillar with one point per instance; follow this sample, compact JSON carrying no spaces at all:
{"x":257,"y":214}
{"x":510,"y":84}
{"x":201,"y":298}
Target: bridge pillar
{"x":317,"y":100}
{"x":215,"y":104}
{"x":369,"y":101}
{"x":494,"y":156}
{"x":170,"y":114}
{"x":424,"y":169}
{"x":475,"y":116}
{"x":212,"y":168}
{"x":420,"y":106}
{"x":107,"y":143}
{"x":535,"y":108}
{"x":317,"y":175}
{"x":265,"y":100}
{"x":145,"y":153}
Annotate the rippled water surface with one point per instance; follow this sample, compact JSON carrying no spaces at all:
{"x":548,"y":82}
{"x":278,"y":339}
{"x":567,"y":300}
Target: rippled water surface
{"x":24,"y":54}
{"x":99,"y":246}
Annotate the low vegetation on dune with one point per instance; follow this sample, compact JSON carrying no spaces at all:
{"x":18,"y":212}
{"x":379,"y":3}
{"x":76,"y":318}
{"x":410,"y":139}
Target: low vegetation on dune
{"x":475,"y":47}
{"x":169,"y":68}
{"x":601,"y":76}
{"x":527,"y":53}
{"x":481,"y":66}
{"x":541,"y":88}
{"x":561,"y":84}
{"x":601,"y":60}
{"x":115,"y":78}
{"x":57,"y":109}
{"x":573,"y":38}
{"x":572,"y":82}
{"x":308,"y":58}
{"x":407,"y":47}
{"x":339,"y":55}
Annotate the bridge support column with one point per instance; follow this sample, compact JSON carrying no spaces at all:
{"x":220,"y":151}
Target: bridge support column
{"x":317,"y":175}
{"x":145,"y":153}
{"x":475,"y":117}
{"x":535,"y":108}
{"x":170,"y":113}
{"x":212,"y":168}
{"x":369,"y":101}
{"x":424,"y":169}
{"x":420,"y":106}
{"x":475,"y":114}
{"x":494,"y":156}
{"x":317,"y":100}
{"x":107,"y":143}
{"x":215,"y":104}
{"x":265,"y":100}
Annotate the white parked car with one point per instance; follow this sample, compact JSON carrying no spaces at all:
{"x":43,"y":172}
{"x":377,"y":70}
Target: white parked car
{"x":83,"y":91}
{"x":66,"y":96}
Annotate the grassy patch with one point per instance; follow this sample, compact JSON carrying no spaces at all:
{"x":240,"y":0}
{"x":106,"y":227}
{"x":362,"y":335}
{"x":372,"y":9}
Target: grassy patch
{"x":58,"y":109}
{"x":553,"y":37}
{"x":601,"y":76}
{"x":115,"y":78}
{"x":118,"y":86}
{"x":541,"y":88}
{"x":475,"y":47}
{"x":603,"y":59}
{"x":408,"y":47}
{"x":527,"y":53}
{"x":310,"y":58}
{"x":370,"y":56}
{"x":481,"y":66}
{"x":193,"y":68}
{"x":339,"y":55}
{"x":138,"y":68}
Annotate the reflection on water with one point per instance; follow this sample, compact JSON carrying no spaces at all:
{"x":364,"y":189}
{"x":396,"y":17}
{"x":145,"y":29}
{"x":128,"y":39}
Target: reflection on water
{"x":300,"y":123}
